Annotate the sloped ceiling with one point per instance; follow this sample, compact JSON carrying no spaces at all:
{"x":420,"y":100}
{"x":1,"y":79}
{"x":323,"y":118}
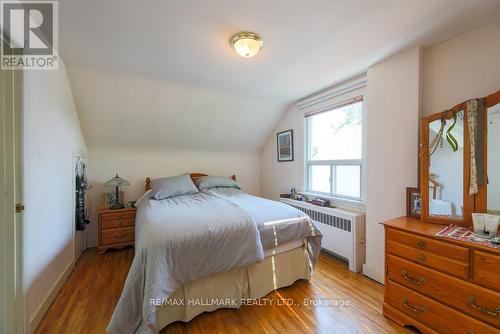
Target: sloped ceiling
{"x":161,"y":72}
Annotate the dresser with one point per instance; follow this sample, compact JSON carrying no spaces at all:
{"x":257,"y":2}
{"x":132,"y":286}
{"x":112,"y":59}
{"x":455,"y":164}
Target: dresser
{"x":116,"y":229}
{"x":439,"y":285}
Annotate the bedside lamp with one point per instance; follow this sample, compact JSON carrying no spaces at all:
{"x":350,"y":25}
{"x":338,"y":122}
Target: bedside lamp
{"x":117,"y":182}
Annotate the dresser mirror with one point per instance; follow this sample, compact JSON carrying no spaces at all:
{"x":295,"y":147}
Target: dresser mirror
{"x":460,"y":162}
{"x":493,"y":154}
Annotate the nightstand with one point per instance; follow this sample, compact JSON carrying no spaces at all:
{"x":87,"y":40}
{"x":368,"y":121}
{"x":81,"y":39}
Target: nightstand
{"x":116,"y":229}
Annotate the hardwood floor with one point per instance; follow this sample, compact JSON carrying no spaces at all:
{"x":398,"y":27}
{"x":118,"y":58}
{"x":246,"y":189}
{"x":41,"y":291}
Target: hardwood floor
{"x":87,"y":300}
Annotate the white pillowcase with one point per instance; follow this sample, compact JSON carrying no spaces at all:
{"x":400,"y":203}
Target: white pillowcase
{"x":209,"y":182}
{"x":172,"y":186}
{"x":145,"y":196}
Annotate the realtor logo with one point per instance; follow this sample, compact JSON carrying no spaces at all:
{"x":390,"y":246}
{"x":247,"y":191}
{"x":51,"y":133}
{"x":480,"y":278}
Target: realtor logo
{"x":29,"y":35}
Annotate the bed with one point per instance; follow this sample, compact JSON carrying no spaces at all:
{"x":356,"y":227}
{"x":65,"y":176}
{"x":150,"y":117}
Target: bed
{"x":217,"y":248}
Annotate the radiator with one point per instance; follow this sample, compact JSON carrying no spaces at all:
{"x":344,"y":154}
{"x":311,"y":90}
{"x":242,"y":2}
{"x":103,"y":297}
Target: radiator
{"x":343,"y":231}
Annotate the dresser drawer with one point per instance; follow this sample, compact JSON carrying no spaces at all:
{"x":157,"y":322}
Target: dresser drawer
{"x":118,"y":235}
{"x":435,"y":315}
{"x":119,"y":215}
{"x":487,"y":269}
{"x":430,"y":259}
{"x":435,"y":246}
{"x":108,"y":224}
{"x":476,"y":301}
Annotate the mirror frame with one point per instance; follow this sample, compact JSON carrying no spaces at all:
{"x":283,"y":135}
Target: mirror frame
{"x":468,"y":200}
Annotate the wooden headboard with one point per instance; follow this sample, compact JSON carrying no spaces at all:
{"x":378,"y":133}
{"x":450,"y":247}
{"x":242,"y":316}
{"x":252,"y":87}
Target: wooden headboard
{"x":194,"y":176}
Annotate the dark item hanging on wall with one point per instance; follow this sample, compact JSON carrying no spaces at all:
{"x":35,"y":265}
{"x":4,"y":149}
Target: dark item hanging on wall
{"x":81,"y":187}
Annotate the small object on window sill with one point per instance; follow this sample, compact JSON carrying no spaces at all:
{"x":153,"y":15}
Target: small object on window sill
{"x":320,"y":202}
{"x":293,"y":195}
{"x":299,"y":197}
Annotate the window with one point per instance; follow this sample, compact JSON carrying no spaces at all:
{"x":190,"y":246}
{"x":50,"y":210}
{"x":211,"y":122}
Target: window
{"x":334,"y":150}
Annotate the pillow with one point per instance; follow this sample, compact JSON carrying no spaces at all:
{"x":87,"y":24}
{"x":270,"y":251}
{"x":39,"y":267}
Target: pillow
{"x":172,"y":186}
{"x":208,"y":182}
{"x":141,"y":199}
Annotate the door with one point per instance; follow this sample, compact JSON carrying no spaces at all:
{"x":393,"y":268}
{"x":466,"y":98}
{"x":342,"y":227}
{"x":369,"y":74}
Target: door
{"x":11,"y":245}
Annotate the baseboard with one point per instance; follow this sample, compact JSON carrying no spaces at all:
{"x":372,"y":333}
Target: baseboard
{"x":51,"y":296}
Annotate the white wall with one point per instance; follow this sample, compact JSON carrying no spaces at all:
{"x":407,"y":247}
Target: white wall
{"x":392,"y":118}
{"x":436,"y":79}
{"x":136,"y":164}
{"x":462,"y":68}
{"x":52,"y":135}
{"x":279,"y":177}
{"x":138,"y":126}
{"x":123,"y":110}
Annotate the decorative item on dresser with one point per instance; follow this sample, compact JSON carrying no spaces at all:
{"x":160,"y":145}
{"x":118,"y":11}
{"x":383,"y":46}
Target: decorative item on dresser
{"x":440,"y":285}
{"x":116,"y":229}
{"x":413,"y":202}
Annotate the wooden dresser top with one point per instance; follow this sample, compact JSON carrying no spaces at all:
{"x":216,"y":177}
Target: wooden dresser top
{"x":413,"y":225}
{"x":117,"y":210}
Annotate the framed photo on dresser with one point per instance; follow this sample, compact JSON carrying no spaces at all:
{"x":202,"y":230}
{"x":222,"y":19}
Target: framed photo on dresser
{"x":108,"y":198}
{"x":413,"y":202}
{"x":284,"y":142}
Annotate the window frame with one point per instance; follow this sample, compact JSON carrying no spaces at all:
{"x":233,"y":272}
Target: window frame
{"x":334,"y":163}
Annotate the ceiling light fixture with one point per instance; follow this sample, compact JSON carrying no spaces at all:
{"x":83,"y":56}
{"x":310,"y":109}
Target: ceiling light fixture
{"x":247,"y":44}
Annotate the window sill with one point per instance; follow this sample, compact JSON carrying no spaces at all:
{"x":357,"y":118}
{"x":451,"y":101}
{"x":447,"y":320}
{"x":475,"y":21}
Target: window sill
{"x":339,"y":202}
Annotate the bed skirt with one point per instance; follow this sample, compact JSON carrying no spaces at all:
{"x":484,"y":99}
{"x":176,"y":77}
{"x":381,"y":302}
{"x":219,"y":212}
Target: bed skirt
{"x":236,"y":287}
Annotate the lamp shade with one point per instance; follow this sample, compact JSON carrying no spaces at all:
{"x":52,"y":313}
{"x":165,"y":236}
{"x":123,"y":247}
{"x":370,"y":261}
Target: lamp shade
{"x":246,"y":44}
{"x":117,"y":182}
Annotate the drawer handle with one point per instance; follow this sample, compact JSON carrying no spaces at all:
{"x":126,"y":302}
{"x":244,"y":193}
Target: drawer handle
{"x":416,"y":309}
{"x":421,"y":257}
{"x":414,"y":280}
{"x":471,"y":300}
{"x":421,"y":244}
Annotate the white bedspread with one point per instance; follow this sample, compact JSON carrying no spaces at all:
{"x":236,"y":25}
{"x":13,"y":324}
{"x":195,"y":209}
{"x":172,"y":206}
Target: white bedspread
{"x":277,"y":222}
{"x":182,"y":239}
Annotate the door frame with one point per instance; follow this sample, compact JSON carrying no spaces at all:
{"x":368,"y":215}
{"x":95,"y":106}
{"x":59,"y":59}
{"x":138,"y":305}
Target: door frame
{"x":13,"y":285}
